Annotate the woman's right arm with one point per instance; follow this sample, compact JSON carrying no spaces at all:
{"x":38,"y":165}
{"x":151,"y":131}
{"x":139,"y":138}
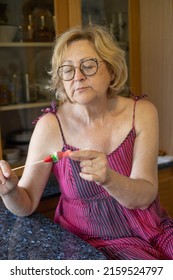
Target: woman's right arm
{"x":22,"y":196}
{"x":16,"y":199}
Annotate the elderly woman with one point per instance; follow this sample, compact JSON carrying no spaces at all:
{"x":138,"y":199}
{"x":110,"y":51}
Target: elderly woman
{"x":109,"y":180}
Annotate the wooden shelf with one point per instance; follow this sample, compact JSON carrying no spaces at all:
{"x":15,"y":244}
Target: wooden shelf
{"x":25,"y":44}
{"x":24,"y":106}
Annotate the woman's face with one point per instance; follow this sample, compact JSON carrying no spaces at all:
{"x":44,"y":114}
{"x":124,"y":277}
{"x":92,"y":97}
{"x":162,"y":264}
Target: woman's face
{"x":83,"y":89}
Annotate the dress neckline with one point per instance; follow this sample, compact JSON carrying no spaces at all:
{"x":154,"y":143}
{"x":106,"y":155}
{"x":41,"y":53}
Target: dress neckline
{"x":132,"y":131}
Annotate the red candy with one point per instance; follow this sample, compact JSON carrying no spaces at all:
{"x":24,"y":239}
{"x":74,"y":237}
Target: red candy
{"x":48,"y":159}
{"x":59,"y":155}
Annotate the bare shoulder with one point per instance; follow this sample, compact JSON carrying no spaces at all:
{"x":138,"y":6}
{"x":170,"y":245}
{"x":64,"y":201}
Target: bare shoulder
{"x":47,"y":132}
{"x":146,"y":110}
{"x":140,"y":104}
{"x":48,"y":120}
{"x":146,"y":116}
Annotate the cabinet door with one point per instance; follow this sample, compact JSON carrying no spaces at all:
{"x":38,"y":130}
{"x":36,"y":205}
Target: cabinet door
{"x":67,"y":14}
{"x":122,"y":17}
{"x":29,"y":53}
{"x":25,"y":62}
{"x":166,"y":189}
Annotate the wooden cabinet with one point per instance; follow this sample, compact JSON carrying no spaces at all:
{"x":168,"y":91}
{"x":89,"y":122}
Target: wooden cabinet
{"x":166,"y":189}
{"x":48,"y":206}
{"x":27,"y":56}
{"x":67,"y":14}
{"x":22,"y":58}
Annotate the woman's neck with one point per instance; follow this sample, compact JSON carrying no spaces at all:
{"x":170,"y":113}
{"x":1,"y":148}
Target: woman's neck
{"x":91,"y":113}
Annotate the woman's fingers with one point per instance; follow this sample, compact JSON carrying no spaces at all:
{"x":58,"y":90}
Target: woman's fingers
{"x":83,"y":155}
{"x":4,"y":169}
{"x":8,"y":179}
{"x":94,"y":165}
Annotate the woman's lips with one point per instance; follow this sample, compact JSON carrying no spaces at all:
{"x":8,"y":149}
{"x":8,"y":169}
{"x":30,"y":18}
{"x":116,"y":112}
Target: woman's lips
{"x":80,"y":89}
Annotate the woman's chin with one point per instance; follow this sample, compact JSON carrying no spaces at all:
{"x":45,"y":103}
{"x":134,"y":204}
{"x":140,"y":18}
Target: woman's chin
{"x":84,"y":99}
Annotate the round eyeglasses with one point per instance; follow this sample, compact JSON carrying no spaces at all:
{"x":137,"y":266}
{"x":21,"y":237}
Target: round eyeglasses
{"x":88,"y":67}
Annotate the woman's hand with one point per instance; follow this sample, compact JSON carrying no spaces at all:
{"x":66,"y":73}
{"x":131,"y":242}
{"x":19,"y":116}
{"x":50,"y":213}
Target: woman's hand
{"x":94,"y":165}
{"x":8,"y":179}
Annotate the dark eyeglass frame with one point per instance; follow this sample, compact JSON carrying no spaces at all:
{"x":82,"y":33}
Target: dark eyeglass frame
{"x":80,"y":68}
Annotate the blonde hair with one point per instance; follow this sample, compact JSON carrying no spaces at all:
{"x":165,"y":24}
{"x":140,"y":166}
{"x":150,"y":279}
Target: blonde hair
{"x":106,"y":47}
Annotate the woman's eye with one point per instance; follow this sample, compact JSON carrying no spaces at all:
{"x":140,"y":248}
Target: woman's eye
{"x":67,"y":69}
{"x":88,"y":66}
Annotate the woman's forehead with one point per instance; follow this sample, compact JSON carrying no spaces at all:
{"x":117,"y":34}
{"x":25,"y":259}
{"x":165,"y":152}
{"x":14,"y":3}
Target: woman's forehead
{"x":79,"y":48}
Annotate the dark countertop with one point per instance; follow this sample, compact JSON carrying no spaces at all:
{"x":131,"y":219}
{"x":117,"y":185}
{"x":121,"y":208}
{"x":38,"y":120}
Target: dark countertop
{"x":165,"y":165}
{"x":38,"y":238}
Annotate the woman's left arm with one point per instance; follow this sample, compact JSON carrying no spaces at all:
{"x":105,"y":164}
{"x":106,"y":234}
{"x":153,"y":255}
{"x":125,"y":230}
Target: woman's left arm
{"x":140,"y":189}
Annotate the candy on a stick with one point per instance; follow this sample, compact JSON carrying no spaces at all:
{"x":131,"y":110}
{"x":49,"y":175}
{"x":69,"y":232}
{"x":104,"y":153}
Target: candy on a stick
{"x":52,"y":158}
{"x":56,"y":156}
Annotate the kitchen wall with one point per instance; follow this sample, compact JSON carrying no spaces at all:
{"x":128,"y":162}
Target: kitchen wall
{"x":156,"y":30}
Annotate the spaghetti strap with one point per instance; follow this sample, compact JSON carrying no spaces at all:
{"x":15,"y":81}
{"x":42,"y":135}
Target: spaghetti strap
{"x":134,"y":109}
{"x":136,"y":98}
{"x":62,"y":134}
{"x":52,"y":109}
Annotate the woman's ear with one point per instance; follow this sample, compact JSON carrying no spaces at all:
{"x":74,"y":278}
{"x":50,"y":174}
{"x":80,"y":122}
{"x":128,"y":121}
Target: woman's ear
{"x":112,"y":75}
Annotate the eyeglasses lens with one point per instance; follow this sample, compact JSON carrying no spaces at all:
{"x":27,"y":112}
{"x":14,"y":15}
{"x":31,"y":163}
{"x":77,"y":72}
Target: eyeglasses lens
{"x":88,"y":68}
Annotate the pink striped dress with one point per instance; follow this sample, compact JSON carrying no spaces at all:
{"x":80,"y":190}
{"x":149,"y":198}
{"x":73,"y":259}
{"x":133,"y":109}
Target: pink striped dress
{"x":87,"y":210}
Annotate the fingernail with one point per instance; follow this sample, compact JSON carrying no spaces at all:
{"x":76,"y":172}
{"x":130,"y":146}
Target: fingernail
{"x":6,"y":174}
{"x":67,"y":153}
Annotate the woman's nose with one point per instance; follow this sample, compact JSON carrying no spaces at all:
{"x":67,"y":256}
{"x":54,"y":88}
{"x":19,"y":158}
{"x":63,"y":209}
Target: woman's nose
{"x":78,"y":74}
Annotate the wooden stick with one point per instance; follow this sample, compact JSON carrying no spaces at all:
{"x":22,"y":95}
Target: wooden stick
{"x":22,"y":166}
{"x":48,"y":159}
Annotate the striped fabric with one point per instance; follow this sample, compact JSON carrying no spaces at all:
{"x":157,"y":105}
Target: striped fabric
{"x":87,"y":210}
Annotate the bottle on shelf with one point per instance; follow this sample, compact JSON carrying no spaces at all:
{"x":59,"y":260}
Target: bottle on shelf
{"x":113,"y":30}
{"x":20,"y":89}
{"x":120,"y":26}
{"x":4,"y":94}
{"x":29,"y":91}
{"x":16,"y":89}
{"x":4,"y":89}
{"x":13,"y":87}
{"x":20,"y":37}
{"x":42,"y":34}
{"x":29,"y":29}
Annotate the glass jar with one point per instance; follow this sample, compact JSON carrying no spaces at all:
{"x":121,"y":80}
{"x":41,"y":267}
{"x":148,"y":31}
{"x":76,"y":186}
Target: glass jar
{"x":43,"y":25}
{"x":4,"y":94}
